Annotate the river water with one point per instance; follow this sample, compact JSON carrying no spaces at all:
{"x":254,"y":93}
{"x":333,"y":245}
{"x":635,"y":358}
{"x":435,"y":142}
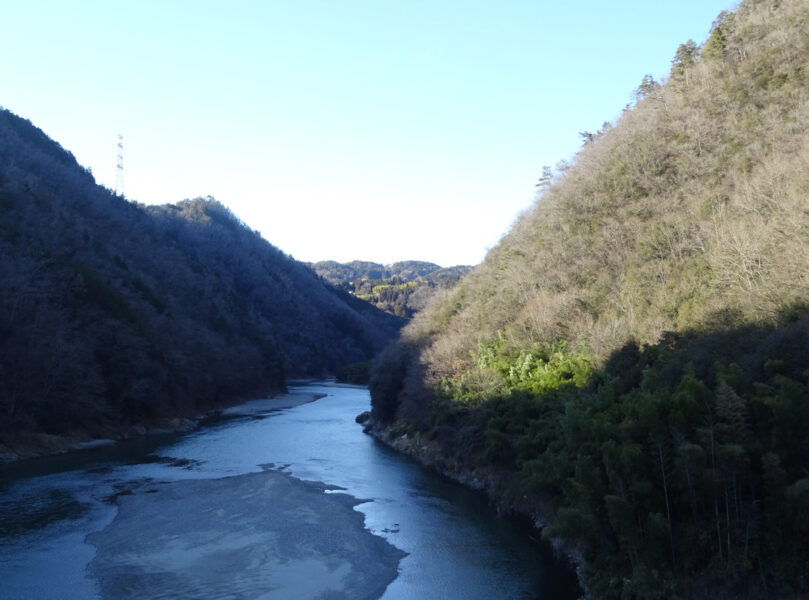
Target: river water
{"x":293,"y":503}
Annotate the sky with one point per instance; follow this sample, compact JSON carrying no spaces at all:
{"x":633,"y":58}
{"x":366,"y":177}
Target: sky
{"x":343,"y":130}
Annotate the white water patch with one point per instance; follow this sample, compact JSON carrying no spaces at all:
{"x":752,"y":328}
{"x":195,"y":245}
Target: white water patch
{"x":259,"y":535}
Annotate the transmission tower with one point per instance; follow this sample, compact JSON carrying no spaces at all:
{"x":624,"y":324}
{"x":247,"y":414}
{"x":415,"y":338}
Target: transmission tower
{"x":119,"y":167}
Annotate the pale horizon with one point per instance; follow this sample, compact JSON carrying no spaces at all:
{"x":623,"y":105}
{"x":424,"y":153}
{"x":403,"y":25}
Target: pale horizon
{"x":357,"y":131}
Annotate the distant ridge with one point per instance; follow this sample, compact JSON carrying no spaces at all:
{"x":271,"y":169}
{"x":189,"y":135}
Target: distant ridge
{"x":401,"y":288}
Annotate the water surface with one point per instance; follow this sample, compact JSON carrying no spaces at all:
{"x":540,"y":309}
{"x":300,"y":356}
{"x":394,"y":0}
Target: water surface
{"x":292,"y":503}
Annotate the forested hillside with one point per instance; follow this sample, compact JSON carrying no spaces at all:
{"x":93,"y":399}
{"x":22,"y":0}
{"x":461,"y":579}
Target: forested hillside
{"x":115,"y":314}
{"x":630,"y":364}
{"x":401,"y":288}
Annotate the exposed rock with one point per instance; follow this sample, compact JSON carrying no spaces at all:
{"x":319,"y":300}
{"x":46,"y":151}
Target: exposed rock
{"x":497,"y":486}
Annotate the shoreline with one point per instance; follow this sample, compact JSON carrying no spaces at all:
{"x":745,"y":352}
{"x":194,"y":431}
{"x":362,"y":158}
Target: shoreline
{"x":428,"y":454}
{"x":261,"y":406}
{"x":40,"y":445}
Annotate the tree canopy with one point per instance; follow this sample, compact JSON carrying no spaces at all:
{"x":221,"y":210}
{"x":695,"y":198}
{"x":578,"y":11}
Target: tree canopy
{"x":114,"y":314}
{"x":629,"y":363}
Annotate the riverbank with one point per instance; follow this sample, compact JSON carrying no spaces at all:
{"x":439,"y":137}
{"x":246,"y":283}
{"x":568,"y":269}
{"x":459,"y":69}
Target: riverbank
{"x":24,"y":446}
{"x":500,"y":488}
{"x":457,"y":548}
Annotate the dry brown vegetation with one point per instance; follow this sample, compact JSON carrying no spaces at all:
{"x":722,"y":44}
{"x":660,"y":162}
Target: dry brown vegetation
{"x":630,"y":361}
{"x":691,"y":211}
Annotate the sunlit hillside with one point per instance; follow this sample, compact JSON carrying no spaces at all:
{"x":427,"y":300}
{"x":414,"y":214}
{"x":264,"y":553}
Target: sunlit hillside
{"x":402,"y":288}
{"x":629,"y":363}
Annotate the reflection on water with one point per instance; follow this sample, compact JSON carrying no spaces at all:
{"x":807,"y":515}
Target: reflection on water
{"x":55,"y":516}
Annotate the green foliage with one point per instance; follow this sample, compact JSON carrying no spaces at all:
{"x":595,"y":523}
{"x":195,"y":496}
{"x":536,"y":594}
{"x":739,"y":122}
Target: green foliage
{"x":503,"y":371}
{"x":679,"y":476}
{"x":539,"y":369}
{"x":716,"y":46}
{"x":670,"y":256}
{"x":647,"y":87}
{"x":684,"y":60}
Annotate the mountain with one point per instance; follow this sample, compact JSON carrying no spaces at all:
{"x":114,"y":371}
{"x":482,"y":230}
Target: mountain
{"x":115,"y":315}
{"x":401,"y":288}
{"x":628,"y":366}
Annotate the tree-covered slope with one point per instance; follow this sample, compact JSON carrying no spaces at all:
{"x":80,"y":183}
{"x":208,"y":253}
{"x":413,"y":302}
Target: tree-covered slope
{"x":631,"y":360}
{"x":337,"y":273}
{"x":401,"y":288}
{"x":113,"y":314}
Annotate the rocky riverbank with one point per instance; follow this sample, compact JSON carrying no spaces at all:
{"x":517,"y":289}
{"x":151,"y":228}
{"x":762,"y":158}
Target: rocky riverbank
{"x":500,"y":487}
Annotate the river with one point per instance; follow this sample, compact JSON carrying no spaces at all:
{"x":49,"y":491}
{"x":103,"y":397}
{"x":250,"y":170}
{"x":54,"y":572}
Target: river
{"x":264,"y":503}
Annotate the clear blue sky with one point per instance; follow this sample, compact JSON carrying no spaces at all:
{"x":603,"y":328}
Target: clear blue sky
{"x":355,"y":129}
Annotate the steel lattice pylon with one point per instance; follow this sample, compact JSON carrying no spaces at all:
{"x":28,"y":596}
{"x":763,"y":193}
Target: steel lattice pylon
{"x":119,"y":167}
